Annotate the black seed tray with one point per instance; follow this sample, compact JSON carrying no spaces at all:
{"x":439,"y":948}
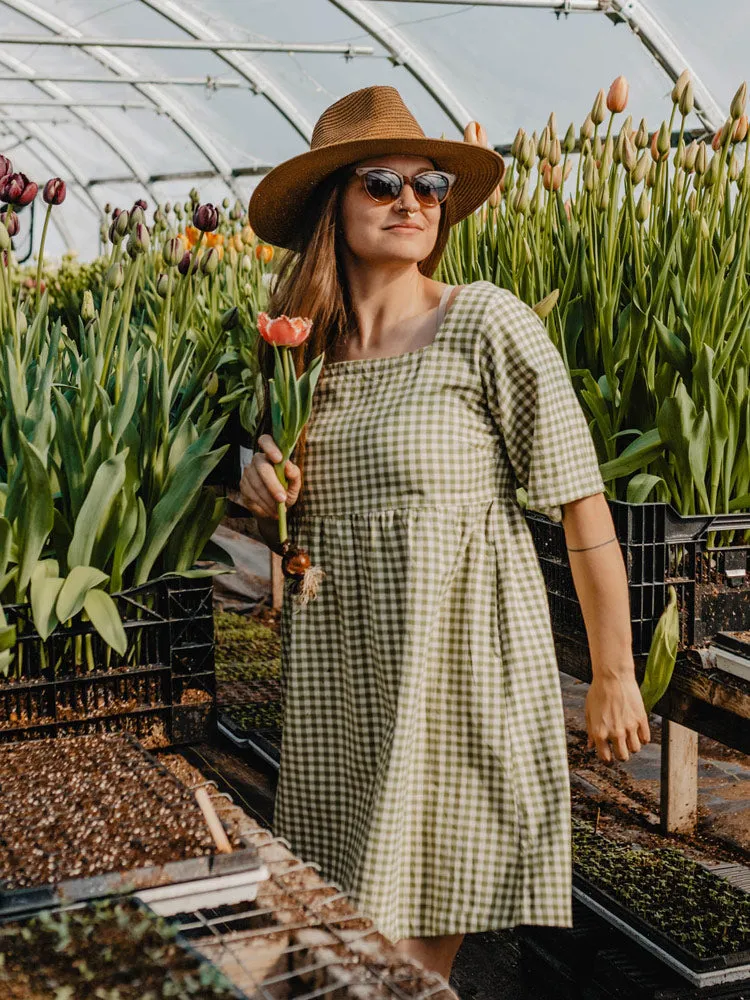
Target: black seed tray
{"x":266,"y":740}
{"x":74,"y":683}
{"x":655,"y":934}
{"x":660,"y":548}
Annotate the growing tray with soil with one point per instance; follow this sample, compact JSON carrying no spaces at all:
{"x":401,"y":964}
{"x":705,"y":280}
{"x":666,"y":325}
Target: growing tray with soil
{"x":700,"y":919}
{"x":248,"y":673}
{"x":86,"y":806}
{"x":105,"y":949}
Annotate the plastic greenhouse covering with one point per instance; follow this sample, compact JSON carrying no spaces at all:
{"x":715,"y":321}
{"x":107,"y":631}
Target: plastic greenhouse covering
{"x":149,"y":98}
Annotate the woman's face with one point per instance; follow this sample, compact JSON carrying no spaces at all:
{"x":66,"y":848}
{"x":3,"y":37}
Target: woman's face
{"x":371,"y":230}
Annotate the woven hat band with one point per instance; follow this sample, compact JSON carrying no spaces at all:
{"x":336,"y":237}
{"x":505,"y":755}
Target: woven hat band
{"x":371,"y":113}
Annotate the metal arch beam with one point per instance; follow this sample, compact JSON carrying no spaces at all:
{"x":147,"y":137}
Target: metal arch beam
{"x":200,"y":139}
{"x":258,"y":79}
{"x":88,"y":118}
{"x":403,"y":53}
{"x":644,"y":25}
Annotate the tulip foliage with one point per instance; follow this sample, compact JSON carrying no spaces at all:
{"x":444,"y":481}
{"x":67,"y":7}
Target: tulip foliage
{"x":642,"y":275}
{"x":110,"y":421}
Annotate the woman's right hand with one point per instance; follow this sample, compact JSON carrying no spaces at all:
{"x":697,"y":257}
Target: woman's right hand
{"x":260,"y":488}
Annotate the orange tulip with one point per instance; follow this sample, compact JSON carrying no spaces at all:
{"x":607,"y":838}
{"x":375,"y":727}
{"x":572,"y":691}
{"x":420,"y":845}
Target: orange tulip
{"x":264,"y":252}
{"x":192,"y":235}
{"x":214,"y":239}
{"x":284,"y":331}
{"x":617,"y":98}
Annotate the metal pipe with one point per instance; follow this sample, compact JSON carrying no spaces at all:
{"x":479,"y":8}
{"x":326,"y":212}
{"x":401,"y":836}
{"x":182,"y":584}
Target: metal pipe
{"x":579,"y":5}
{"x":184,"y":175}
{"x":230,"y":45}
{"x":211,"y":82}
{"x":34,"y":102}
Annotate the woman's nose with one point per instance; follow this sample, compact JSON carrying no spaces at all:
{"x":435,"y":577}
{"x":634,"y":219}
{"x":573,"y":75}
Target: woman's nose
{"x":407,"y":200}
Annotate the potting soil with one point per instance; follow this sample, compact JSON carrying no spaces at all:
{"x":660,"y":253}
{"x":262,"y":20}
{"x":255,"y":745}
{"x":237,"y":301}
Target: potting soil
{"x":84,"y":806}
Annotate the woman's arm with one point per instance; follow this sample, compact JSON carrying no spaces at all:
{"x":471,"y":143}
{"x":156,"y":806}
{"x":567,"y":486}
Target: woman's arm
{"x":614,"y":706}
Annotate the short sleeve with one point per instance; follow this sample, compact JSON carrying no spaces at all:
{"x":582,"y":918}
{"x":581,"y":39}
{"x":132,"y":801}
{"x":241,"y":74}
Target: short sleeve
{"x":535,"y":409}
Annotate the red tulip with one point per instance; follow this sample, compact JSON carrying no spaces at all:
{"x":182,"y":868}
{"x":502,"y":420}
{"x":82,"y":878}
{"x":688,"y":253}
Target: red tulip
{"x":284,"y":331}
{"x":6,"y":167}
{"x":54,"y":191}
{"x":10,"y":220}
{"x":17,"y":189}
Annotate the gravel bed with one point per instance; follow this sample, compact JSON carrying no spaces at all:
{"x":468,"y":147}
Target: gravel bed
{"x":87,"y":805}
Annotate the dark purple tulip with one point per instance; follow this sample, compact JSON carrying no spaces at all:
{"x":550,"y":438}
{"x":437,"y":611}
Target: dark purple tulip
{"x":54,"y":191}
{"x":17,"y":189}
{"x":206,"y":218}
{"x":6,"y":167}
{"x":141,"y":203}
{"x":115,"y":213}
{"x":184,"y":264}
{"x":10,"y":221}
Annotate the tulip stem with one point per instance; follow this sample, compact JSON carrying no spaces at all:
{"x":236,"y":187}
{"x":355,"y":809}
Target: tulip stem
{"x":281,"y":506}
{"x":40,"y":261}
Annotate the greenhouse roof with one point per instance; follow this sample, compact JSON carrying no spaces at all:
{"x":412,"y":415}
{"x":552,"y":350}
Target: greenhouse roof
{"x":148,"y":98}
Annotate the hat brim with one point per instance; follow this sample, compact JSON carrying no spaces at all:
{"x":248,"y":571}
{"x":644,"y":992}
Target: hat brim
{"x":279,"y":202}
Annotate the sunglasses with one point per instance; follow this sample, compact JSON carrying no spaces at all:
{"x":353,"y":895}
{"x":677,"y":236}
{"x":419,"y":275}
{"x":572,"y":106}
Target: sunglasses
{"x":384,"y":185}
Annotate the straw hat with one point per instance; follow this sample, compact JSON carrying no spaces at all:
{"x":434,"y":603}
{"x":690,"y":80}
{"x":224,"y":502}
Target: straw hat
{"x":364,"y":124}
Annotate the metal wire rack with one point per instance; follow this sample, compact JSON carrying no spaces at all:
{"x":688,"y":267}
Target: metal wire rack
{"x":293,"y":935}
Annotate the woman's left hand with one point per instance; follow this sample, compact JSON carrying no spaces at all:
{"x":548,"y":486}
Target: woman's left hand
{"x":615,"y":713}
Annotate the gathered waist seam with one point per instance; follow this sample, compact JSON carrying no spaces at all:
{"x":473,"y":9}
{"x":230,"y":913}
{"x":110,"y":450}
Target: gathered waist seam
{"x":301,"y":515}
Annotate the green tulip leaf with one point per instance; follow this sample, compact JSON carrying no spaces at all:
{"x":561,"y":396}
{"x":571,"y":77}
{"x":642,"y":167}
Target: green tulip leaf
{"x":662,"y":654}
{"x":76,"y":585}
{"x":105,"y":618}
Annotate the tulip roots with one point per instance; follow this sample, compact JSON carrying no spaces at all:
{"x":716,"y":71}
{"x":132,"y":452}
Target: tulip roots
{"x":295,"y":564}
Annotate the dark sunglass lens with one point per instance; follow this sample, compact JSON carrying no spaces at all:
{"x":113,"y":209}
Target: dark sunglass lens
{"x":382,"y":185}
{"x":432,"y":188}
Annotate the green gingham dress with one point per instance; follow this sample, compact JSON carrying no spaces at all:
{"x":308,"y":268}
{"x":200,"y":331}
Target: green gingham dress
{"x":424,"y":762}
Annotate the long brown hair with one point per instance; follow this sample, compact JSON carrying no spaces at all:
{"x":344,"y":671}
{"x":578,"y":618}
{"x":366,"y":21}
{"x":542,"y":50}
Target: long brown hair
{"x":311,"y":282}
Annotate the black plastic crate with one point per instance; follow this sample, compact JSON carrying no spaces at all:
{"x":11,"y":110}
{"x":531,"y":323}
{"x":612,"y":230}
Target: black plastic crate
{"x":660,"y":549}
{"x":162,"y":690}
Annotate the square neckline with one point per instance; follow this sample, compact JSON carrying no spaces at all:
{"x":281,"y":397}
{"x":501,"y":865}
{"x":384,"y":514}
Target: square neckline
{"x":357,"y":363}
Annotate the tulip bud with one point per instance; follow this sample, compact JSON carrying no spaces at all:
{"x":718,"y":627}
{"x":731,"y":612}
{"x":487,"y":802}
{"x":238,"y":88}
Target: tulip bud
{"x":194,"y":197}
{"x":589,"y":174}
{"x":641,"y":136}
{"x":693,"y":202}
{"x":529,"y":151}
{"x":680,"y":86}
{"x":211,"y":384}
{"x":115,"y":276}
{"x":555,"y":152}
{"x":10,"y":221}
{"x":230,"y":318}
{"x":602,"y":199}
{"x":162,"y":285}
{"x":607,"y":155}
{"x":552,"y":177}
{"x":547,"y":304}
{"x":206,"y":218}
{"x":137,"y":216}
{"x":568,"y":168}
{"x":496,"y":196}
{"x":54,"y":191}
{"x":167,"y":207}
{"x":264,"y":253}
{"x":122,"y":223}
{"x":737,"y":107}
{"x":4,"y":238}
{"x":185,"y":264}
{"x":679,"y":182}
{"x":641,"y":168}
{"x":690,"y":154}
{"x":17,"y":189}
{"x":705,"y":232}
{"x":172,"y":251}
{"x":178,"y":213}
{"x":598,"y":111}
{"x":22,"y":324}
{"x":236,"y":214}
{"x":598,"y":148}
{"x":712,"y":174}
{"x":209,"y":261}
{"x":617,"y":98}
{"x":679,"y":154}
{"x":740,"y":129}
{"x":543,"y":146}
{"x":727,"y":251}
{"x":664,"y":141}
{"x":475,"y":134}
{"x":569,"y":142}
{"x":628,"y":155}
{"x":701,"y":159}
{"x":643,"y":208}
{"x":587,"y":129}
{"x":517,"y":145}
{"x":246,"y":262}
{"x":139,"y":241}
{"x":651,"y":175}
{"x":142,"y":204}
{"x":520,"y":200}
{"x":88,"y":312}
{"x":686,"y":102}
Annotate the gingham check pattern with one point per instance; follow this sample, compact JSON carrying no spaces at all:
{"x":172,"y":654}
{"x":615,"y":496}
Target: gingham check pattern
{"x":424,"y":761}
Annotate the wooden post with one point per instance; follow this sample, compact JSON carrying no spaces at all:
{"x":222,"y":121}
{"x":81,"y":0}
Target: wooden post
{"x":679,"y":778}
{"x":277,"y":580}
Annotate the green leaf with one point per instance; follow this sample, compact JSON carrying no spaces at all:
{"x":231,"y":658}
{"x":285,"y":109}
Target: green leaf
{"x":77,"y":584}
{"x":36,"y":516}
{"x":44,"y":594}
{"x":97,"y":508}
{"x":639,"y":487}
{"x":637,"y":455}
{"x":105,"y":618}
{"x":662,"y":654}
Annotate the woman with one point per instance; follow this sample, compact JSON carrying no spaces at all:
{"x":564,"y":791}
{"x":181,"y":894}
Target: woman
{"x":424,"y":763}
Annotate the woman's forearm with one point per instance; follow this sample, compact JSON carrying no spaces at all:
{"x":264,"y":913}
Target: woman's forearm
{"x":601,"y":583}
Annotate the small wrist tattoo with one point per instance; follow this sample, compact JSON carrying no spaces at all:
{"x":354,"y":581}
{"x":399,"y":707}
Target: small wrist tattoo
{"x":587,"y":547}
